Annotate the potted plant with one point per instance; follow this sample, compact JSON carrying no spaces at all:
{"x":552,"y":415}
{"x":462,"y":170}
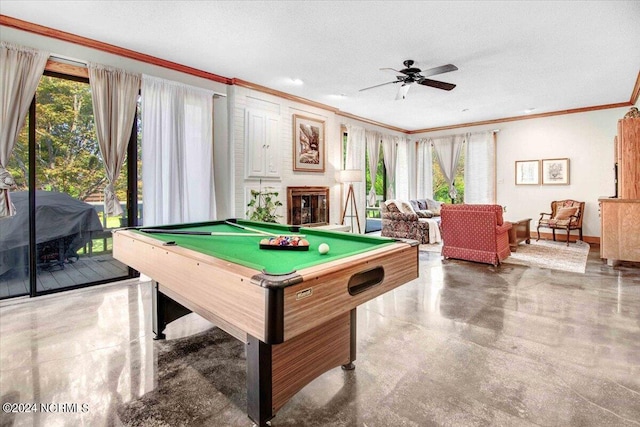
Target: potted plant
{"x":263,"y":205}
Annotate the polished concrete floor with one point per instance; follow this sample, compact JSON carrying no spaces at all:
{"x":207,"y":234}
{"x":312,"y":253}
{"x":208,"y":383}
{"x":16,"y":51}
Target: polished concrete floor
{"x":464,"y":345}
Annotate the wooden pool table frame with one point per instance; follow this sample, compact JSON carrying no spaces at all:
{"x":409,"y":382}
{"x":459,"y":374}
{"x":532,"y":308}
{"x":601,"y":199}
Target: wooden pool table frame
{"x":295,"y":326}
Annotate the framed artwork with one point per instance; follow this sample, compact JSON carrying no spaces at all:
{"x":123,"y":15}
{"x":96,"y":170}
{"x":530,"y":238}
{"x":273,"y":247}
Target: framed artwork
{"x":527,"y":172}
{"x":555,"y":171}
{"x":308,"y":144}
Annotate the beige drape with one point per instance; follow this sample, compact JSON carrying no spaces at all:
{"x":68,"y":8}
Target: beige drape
{"x":373,"y":149}
{"x":448,"y":149}
{"x":390,"y":158}
{"x":20,"y":72}
{"x":114,"y":93}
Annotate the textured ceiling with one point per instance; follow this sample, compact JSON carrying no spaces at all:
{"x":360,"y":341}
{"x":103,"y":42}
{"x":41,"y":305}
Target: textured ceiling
{"x":511,"y":56}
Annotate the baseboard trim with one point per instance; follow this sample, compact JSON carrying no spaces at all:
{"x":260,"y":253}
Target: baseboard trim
{"x":562,"y":237}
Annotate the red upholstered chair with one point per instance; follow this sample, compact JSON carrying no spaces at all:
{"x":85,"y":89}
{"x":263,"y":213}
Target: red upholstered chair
{"x":475,"y":233}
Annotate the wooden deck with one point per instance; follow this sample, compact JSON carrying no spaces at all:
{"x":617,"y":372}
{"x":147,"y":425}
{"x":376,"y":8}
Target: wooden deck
{"x":86,"y":270}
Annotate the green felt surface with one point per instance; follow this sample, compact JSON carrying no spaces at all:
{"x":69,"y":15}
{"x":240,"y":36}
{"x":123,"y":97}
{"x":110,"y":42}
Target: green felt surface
{"x":246,"y":250}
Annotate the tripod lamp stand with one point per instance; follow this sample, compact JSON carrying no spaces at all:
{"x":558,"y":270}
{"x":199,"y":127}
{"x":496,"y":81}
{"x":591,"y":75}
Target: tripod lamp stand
{"x":349,"y":176}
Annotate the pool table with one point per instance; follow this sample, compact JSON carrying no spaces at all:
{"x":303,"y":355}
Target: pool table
{"x":294,"y":310}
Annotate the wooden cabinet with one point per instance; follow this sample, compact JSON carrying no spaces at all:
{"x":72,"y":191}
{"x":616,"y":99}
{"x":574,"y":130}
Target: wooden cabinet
{"x":620,"y":217}
{"x":262,"y":147}
{"x":620,"y":222}
{"x":308,"y":206}
{"x":628,"y":158}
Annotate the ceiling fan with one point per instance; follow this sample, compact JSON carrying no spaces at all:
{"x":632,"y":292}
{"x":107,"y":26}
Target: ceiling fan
{"x":410,"y":75}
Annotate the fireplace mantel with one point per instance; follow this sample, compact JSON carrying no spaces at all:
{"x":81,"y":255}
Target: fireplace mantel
{"x":308,"y":206}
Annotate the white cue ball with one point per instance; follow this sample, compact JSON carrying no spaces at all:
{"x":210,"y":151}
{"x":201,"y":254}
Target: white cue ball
{"x":323,"y":248}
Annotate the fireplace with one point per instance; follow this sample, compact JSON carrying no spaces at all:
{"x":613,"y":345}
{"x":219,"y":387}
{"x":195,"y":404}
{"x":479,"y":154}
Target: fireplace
{"x":308,"y":206}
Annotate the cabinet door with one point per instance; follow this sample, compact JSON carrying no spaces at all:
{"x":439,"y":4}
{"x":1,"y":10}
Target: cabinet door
{"x":629,"y":158}
{"x":262,"y":159}
{"x":255,"y":146}
{"x":272,"y":151}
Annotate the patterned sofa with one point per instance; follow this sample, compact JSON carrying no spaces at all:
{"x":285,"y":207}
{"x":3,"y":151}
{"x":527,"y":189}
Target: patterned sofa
{"x":410,"y":220}
{"x":475,"y":233}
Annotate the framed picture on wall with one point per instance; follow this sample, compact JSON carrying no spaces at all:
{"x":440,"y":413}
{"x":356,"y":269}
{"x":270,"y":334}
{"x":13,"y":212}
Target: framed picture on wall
{"x":308,"y":144}
{"x":555,"y":171}
{"x":527,"y":172}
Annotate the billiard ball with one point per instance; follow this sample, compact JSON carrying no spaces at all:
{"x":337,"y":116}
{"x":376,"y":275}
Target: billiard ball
{"x":323,"y":248}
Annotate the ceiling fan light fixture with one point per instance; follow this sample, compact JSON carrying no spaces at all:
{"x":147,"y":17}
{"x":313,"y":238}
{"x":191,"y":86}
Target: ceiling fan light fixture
{"x":412,"y":74}
{"x":402,"y":91}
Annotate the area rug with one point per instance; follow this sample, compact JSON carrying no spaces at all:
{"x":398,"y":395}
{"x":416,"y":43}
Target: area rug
{"x":552,"y":255}
{"x":201,"y":379}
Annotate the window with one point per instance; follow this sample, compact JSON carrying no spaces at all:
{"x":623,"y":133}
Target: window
{"x":440,"y":186}
{"x":58,"y":161}
{"x":380,"y":184}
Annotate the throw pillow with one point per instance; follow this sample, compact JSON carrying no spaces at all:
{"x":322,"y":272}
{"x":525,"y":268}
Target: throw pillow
{"x":422,"y":204}
{"x":414,"y":205}
{"x":434,"y":206}
{"x":565,"y":213}
{"x":405,"y":208}
{"x":424,"y":213}
{"x":392,"y":207}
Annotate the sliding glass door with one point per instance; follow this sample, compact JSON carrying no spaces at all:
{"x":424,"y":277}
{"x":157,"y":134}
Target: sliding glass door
{"x":60,"y":237}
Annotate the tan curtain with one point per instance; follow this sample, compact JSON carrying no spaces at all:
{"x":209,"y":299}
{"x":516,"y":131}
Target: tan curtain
{"x":390,"y":158}
{"x":20,"y":72}
{"x":424,"y":170}
{"x":373,"y":149}
{"x":448,"y":149}
{"x":114,"y":93}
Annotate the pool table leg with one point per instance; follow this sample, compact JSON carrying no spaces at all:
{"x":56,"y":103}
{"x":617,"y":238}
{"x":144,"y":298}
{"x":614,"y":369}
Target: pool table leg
{"x":276,"y":372}
{"x":352,"y":342}
{"x":165,"y":310}
{"x":259,"y":381}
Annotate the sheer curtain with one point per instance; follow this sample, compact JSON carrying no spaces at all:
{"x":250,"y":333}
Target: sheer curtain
{"x":424,"y":169}
{"x":403,"y":170}
{"x":480,"y":169}
{"x":389,"y":155}
{"x":355,"y":160}
{"x":20,"y":72}
{"x":373,"y":149}
{"x":177,"y":152}
{"x":114,"y":93}
{"x":448,"y":149}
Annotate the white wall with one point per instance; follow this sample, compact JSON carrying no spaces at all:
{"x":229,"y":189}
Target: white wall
{"x":84,"y":54}
{"x":244,"y":98}
{"x":585,"y":138}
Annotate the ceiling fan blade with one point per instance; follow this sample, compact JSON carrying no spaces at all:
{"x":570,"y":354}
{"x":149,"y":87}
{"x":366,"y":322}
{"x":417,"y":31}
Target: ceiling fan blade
{"x":439,"y":70}
{"x":437,"y":84}
{"x":402,"y":91}
{"x":371,"y":87}
{"x":393,"y":70}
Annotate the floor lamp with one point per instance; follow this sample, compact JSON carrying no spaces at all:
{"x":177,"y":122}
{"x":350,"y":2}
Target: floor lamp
{"x":349,"y":176}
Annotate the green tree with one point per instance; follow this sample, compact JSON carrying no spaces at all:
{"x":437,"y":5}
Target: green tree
{"x":68,"y":157}
{"x":440,"y":186}
{"x":379,"y":185}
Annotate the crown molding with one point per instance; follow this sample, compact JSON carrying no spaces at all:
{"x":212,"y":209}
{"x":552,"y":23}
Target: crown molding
{"x":636,"y":91}
{"x":526,"y":117}
{"x":127,"y":53}
{"x":19,"y":24}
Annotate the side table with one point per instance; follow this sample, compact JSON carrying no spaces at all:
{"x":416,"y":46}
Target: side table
{"x":520,"y":232}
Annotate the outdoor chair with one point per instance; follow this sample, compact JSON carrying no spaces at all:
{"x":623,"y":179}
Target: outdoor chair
{"x":565,"y":215}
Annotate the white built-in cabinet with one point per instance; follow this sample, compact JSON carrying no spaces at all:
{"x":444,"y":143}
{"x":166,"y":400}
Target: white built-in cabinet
{"x":262,"y":144}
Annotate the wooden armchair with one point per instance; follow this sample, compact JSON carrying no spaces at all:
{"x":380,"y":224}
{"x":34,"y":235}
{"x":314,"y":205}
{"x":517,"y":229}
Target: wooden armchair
{"x":565,"y":215}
